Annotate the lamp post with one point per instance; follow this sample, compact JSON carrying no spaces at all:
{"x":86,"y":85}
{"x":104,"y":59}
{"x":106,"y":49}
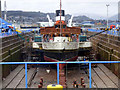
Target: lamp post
{"x":107,"y":13}
{"x":107,"y":21}
{"x":0,"y":10}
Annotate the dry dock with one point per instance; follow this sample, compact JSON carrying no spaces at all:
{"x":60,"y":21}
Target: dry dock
{"x":107,"y":48}
{"x":102,"y":77}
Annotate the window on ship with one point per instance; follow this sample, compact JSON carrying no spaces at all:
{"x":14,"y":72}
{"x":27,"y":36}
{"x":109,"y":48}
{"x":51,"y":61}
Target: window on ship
{"x":64,"y":26}
{"x":56,"y":26}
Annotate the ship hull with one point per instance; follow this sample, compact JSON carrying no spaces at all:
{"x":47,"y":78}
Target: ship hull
{"x":57,"y":56}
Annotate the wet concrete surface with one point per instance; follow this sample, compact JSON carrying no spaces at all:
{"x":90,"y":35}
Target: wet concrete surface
{"x":48,"y":78}
{"x":72,"y":72}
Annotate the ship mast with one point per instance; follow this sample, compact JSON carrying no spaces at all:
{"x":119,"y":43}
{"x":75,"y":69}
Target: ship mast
{"x":60,"y":19}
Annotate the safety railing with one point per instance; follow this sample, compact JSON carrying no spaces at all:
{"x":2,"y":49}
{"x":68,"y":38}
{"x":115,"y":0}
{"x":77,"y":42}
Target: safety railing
{"x":82,"y":62}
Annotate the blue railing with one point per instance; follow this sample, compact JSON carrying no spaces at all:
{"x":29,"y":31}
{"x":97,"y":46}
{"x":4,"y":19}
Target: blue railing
{"x":82,"y":62}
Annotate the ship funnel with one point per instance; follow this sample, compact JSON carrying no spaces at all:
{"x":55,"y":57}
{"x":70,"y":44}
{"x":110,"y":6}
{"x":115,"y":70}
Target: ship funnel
{"x":58,"y":15}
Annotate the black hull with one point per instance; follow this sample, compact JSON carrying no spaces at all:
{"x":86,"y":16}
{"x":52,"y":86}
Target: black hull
{"x":60,"y":55}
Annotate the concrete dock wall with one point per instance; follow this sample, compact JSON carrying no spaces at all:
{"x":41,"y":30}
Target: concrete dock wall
{"x":107,"y":47}
{"x":12,"y":47}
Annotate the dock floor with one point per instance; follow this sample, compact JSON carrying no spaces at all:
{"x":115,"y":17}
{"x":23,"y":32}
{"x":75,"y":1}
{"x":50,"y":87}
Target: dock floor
{"x":102,"y":77}
{"x":16,"y":79}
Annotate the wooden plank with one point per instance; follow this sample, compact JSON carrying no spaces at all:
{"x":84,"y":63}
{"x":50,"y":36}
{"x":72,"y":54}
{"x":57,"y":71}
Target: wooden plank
{"x":104,"y":78}
{"x":112,"y":76}
{"x":12,"y":75}
{"x":30,"y":75}
{"x":97,"y":80}
{"x":17,"y":79}
{"x":33,"y":71}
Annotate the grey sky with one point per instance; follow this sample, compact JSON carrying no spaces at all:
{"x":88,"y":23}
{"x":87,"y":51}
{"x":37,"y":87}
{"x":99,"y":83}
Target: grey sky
{"x":74,"y":7}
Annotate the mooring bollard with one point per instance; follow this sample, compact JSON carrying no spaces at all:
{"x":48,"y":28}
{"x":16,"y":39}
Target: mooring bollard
{"x":41,"y":79}
{"x":39,"y":86}
{"x":41,"y":83}
{"x":82,"y":82}
{"x":84,"y":86}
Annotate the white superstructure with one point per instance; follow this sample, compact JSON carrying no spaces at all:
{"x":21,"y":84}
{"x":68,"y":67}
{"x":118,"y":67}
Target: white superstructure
{"x":60,"y":43}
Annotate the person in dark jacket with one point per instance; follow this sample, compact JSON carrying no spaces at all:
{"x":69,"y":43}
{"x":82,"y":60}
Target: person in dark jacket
{"x":75,"y":84}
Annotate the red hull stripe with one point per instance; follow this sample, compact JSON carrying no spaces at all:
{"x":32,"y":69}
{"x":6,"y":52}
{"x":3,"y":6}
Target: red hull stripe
{"x":61,"y":65}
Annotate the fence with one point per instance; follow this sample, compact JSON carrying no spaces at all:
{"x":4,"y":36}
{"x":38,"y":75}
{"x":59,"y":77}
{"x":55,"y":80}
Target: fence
{"x":82,"y":62}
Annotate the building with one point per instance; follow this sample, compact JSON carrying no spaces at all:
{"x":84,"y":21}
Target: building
{"x":88,"y":24}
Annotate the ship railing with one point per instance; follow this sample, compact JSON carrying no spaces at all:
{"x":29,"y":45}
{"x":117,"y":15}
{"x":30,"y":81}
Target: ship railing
{"x":58,"y":63}
{"x":70,"y":39}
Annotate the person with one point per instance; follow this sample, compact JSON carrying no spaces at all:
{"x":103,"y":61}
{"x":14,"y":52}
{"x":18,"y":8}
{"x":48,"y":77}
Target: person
{"x":75,"y":84}
{"x":81,"y":30}
{"x":118,"y":31}
{"x":51,"y":39}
